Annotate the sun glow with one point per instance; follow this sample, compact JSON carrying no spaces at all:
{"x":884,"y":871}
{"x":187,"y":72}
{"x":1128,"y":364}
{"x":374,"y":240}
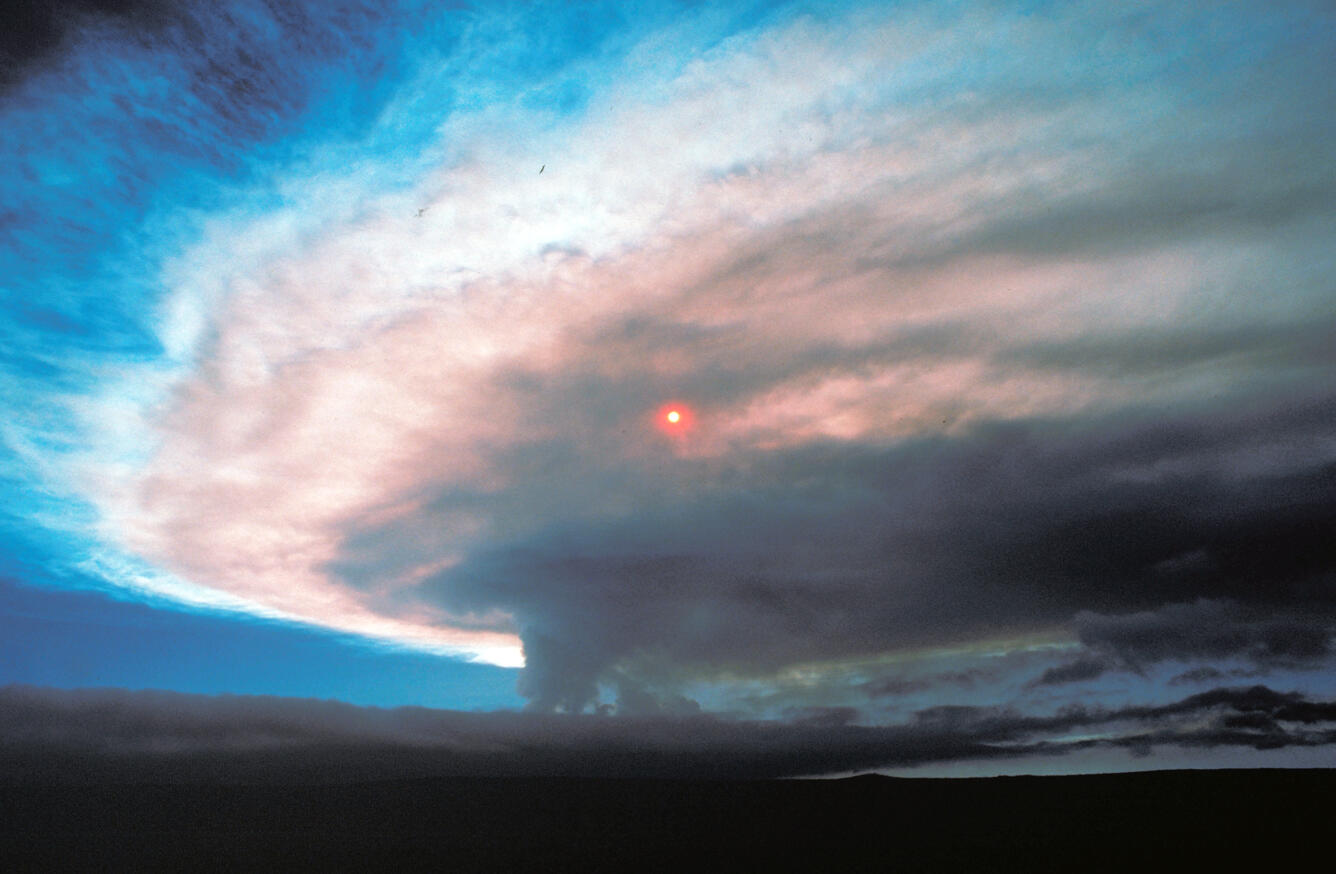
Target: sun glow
{"x":674,"y":418}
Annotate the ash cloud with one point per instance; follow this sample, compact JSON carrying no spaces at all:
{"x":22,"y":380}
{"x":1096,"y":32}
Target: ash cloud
{"x":1214,"y":629}
{"x":37,"y":29}
{"x":837,"y":551}
{"x":1077,"y":671}
{"x":897,"y":685}
{"x":101,"y":735}
{"x":1046,"y":349}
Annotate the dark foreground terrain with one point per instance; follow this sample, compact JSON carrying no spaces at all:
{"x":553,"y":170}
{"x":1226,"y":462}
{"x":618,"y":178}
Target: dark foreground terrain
{"x":1168,"y":820}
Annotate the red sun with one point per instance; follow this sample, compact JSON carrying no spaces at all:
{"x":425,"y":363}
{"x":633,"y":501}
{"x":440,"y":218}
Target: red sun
{"x":674,"y":417}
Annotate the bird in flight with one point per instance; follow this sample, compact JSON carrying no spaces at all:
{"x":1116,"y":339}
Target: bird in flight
{"x":421,"y":211}
{"x":541,"y":169}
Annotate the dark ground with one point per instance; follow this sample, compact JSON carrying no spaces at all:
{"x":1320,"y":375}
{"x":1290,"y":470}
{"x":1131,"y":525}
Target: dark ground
{"x":1168,"y":820}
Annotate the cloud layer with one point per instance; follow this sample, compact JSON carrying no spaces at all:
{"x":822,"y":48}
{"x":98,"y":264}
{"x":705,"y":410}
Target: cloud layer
{"x":995,"y":325}
{"x":96,"y":735}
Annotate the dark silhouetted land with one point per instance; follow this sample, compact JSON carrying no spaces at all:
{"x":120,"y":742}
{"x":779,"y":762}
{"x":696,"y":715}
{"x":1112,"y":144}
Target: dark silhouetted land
{"x":1168,"y":820}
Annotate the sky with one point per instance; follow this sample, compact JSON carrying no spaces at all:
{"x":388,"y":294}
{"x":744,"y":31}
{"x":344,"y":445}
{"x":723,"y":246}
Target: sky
{"x":771,"y":389}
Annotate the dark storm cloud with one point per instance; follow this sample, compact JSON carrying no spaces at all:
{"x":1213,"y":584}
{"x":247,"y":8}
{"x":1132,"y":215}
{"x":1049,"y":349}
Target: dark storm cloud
{"x":1208,"y":674}
{"x":1253,"y":716}
{"x":828,"y":716}
{"x":894,"y":686}
{"x":74,"y":736}
{"x":56,"y":735}
{"x":1073,"y":672}
{"x":1197,"y":675}
{"x":35,"y":29}
{"x":759,"y":558}
{"x":1207,"y":629}
{"x":835,"y":551}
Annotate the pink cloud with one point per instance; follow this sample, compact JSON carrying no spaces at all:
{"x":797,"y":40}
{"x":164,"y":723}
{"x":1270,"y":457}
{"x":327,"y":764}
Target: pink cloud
{"x":783,"y":270}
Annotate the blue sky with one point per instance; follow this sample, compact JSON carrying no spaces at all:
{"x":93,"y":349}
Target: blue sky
{"x":339,"y":340}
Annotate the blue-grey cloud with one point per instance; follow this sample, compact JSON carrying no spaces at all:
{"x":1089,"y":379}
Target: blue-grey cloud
{"x":1276,"y":634}
{"x":1081,"y":669}
{"x":97,"y":735}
